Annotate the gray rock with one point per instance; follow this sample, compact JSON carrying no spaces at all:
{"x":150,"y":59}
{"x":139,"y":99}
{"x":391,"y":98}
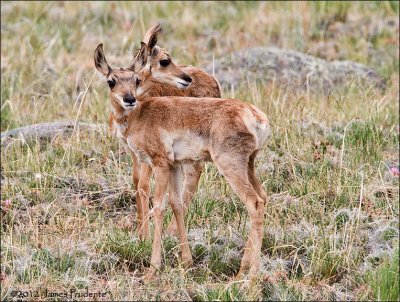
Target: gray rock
{"x":290,"y":69}
{"x":46,"y":131}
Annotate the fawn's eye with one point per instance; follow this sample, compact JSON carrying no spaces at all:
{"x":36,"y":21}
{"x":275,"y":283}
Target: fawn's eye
{"x":138,"y":81}
{"x":111,"y":83}
{"x":164,"y":63}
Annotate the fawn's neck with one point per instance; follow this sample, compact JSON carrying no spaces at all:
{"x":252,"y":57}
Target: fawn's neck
{"x":119,"y":118}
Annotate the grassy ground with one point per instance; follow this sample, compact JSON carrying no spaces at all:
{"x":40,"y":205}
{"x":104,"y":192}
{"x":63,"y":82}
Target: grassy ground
{"x":68,"y":220}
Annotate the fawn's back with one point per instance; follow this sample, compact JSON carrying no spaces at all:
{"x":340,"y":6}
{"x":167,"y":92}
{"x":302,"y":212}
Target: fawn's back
{"x":185,"y":129}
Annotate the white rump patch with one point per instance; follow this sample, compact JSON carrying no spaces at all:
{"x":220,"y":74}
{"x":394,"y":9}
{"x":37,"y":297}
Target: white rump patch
{"x":258,"y":126}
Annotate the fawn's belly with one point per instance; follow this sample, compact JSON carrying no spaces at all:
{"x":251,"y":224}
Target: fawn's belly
{"x":185,"y":147}
{"x":189,"y":151}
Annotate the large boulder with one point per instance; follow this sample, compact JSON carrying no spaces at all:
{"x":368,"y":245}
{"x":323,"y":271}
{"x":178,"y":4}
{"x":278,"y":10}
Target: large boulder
{"x":290,"y":69}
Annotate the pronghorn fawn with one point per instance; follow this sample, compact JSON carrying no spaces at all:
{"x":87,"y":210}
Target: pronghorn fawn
{"x":166,"y":79}
{"x":167,"y":132}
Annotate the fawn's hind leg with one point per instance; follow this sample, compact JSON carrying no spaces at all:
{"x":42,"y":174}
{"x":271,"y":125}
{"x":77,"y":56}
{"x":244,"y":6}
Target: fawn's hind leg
{"x":258,"y":187}
{"x":192,"y":175}
{"x":175,"y":199}
{"x":241,"y":185}
{"x":251,"y":171}
{"x":260,"y":191}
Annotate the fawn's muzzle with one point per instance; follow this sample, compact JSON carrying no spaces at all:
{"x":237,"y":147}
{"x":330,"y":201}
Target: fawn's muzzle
{"x":129,"y":100}
{"x":186,"y":80}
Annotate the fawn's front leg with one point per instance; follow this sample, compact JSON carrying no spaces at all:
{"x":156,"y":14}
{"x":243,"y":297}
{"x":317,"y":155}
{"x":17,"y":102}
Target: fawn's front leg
{"x":136,"y":178}
{"x":162,"y":178}
{"x":144,"y":196}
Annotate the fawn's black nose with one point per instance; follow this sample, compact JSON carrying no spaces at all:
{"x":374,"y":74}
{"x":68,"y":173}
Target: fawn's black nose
{"x":186,"y":78}
{"x":129,"y":99}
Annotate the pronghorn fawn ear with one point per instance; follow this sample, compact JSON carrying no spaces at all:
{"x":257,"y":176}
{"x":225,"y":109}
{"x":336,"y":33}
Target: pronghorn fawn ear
{"x":140,"y":59}
{"x":100,"y":61}
{"x":151,"y":36}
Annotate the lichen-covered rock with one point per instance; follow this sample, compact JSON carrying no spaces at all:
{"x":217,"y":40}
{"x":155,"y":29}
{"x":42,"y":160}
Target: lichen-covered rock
{"x":45,"y":131}
{"x":290,"y":69}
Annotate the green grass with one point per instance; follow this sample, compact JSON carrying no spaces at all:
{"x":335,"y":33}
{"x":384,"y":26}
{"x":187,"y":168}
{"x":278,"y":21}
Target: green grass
{"x":42,"y":261}
{"x":331,"y":226}
{"x":385,"y":280}
{"x":231,"y":293}
{"x":134,"y":253}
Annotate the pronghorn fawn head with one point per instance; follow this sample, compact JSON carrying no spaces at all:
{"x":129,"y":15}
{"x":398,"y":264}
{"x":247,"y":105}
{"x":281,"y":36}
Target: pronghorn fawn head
{"x":123,"y":81}
{"x":159,"y":62}
{"x":120,"y":80}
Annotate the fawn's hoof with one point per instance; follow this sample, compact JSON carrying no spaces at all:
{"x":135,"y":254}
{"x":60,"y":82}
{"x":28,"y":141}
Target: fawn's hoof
{"x":245,"y":274}
{"x":244,"y":269}
{"x":144,"y":234}
{"x":187,"y":263}
{"x":240,"y":276}
{"x":172,"y":229}
{"x":149,"y":276}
